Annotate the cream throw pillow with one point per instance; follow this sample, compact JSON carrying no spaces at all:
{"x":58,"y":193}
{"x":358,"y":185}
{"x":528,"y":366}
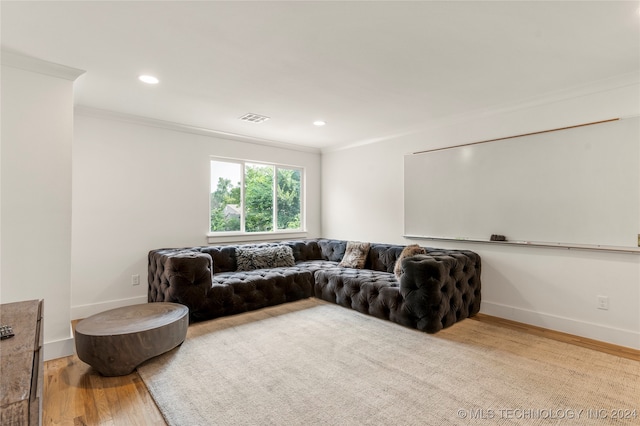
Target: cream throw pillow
{"x":355,"y":256}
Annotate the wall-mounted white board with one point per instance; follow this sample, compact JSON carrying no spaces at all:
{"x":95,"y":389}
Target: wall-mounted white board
{"x":580,"y":186}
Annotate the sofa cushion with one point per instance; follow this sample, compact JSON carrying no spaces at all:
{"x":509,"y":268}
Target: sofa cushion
{"x":355,"y":256}
{"x":332,"y":250}
{"x":370,"y":292}
{"x":224,"y":257}
{"x":304,"y":250}
{"x":235,"y":292}
{"x":251,"y":258}
{"x":182,"y":276}
{"x":442,"y":289}
{"x":382,"y":257}
{"x":314,"y":265}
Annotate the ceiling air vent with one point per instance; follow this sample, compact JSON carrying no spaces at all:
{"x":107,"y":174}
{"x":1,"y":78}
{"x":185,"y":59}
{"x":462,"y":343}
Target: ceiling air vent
{"x":254,"y":118}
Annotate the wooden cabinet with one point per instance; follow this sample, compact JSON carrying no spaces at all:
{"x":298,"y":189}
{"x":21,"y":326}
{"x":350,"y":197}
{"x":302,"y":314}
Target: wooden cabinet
{"x":21,"y":364}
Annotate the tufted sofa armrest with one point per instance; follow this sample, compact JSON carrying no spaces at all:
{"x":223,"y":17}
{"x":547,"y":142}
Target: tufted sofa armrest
{"x":179,"y":276}
{"x":440,"y":289}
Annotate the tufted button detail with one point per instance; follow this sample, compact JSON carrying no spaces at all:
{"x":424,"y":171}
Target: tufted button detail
{"x":438,"y":290}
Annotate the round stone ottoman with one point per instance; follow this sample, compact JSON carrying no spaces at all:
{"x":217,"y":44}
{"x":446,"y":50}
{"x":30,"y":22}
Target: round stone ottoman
{"x":115,"y":342}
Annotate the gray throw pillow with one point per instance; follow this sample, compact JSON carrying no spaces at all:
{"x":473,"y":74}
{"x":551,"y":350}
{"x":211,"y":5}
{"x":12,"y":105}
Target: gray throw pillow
{"x":249,"y":259}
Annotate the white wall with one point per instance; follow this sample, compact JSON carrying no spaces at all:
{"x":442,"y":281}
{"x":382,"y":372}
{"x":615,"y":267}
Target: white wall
{"x":136,"y":188}
{"x":37,"y":126}
{"x":362,"y":199}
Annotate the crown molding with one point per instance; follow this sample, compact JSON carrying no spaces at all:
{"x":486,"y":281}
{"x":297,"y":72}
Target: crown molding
{"x":604,"y":85}
{"x":29,"y":63}
{"x":185,"y":128}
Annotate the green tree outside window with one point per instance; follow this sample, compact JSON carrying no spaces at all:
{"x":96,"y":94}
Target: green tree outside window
{"x":272,"y":197}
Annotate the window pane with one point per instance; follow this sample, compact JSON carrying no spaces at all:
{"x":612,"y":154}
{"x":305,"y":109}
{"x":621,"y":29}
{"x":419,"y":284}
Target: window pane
{"x":225,"y":196}
{"x":288,"y":197}
{"x":258,"y":198}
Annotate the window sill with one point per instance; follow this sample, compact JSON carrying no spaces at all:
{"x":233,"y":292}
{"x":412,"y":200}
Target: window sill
{"x":253,"y":237}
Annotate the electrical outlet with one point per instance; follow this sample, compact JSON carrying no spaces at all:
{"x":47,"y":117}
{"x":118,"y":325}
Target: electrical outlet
{"x":603,"y":302}
{"x":135,"y":279}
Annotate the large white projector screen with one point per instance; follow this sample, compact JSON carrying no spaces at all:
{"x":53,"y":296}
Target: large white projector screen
{"x":578,"y":186}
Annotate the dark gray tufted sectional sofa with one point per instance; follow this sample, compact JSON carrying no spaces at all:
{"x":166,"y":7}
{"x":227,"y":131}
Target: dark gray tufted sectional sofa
{"x":436,"y":290}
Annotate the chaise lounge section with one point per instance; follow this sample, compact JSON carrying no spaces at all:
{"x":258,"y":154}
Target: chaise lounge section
{"x":436,"y":289}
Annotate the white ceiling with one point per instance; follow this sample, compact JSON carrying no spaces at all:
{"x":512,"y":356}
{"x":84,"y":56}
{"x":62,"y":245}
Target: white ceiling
{"x":369,"y":69}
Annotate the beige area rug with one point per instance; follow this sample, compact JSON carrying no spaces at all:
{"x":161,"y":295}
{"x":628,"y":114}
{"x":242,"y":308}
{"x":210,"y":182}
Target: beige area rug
{"x":316,"y":363}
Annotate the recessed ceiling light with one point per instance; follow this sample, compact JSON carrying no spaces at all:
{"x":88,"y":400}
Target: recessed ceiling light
{"x":319,"y":123}
{"x":149,"y":79}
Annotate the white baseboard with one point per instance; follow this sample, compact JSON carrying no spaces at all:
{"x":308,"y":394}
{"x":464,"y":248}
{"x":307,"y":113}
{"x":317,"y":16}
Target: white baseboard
{"x":84,"y":311}
{"x":616,"y":336}
{"x":602,"y":333}
{"x":58,"y":348}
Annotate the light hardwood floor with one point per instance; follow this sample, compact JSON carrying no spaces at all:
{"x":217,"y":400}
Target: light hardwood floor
{"x":596,"y":345}
{"x":75,"y":394}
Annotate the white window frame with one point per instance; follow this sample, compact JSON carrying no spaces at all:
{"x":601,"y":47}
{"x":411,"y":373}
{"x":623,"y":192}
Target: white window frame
{"x":275,"y":235}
